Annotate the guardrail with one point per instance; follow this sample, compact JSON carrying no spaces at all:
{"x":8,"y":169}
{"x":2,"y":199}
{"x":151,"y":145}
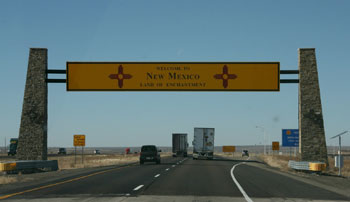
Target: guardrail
{"x":28,"y":166}
{"x":307,"y":165}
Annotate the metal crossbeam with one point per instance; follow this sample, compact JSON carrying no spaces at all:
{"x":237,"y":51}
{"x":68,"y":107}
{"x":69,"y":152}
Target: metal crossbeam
{"x":289,"y":81}
{"x":56,"y":71}
{"x":340,"y":134}
{"x":63,"y":71}
{"x":55,"y":80}
{"x":289,"y":71}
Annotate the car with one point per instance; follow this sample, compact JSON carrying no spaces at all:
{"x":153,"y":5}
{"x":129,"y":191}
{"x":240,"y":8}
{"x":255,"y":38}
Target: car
{"x":62,"y":151}
{"x":245,"y":153}
{"x":96,"y":151}
{"x":149,"y":153}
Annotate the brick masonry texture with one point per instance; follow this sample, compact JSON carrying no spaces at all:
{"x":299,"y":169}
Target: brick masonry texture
{"x":312,"y":145}
{"x":32,"y":144}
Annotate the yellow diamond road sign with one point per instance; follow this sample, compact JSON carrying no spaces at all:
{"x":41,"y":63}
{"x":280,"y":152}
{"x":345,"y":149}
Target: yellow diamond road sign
{"x":79,"y":140}
{"x":176,"y":76}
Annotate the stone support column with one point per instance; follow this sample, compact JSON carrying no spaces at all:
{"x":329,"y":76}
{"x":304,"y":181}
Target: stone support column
{"x":312,"y":143}
{"x":32,"y":143}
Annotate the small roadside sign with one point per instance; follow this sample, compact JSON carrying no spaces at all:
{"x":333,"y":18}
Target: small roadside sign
{"x":79,"y":140}
{"x":228,"y":148}
{"x":339,"y":161}
{"x":275,"y":146}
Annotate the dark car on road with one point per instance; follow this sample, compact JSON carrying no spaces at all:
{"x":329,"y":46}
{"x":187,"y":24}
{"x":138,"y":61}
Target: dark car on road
{"x":149,"y":153}
{"x":245,"y":153}
{"x":62,"y":151}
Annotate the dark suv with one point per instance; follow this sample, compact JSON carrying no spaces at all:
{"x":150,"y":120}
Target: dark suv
{"x":149,"y":153}
{"x":62,"y":151}
{"x":245,"y":153}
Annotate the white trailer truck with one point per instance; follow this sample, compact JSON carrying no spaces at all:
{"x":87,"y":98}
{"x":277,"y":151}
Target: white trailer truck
{"x":203,"y":143}
{"x":180,"y":144}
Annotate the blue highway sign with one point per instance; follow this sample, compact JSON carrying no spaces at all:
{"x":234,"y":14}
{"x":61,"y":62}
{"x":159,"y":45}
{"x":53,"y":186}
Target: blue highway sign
{"x":290,"y":137}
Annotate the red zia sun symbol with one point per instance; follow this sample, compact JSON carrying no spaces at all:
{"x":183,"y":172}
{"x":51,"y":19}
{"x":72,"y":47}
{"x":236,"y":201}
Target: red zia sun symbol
{"x":120,"y":76}
{"x":225,"y":76}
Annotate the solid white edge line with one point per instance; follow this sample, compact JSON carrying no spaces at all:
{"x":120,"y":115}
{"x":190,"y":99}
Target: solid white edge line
{"x":157,"y":175}
{"x":138,"y":187}
{"x":239,"y":186}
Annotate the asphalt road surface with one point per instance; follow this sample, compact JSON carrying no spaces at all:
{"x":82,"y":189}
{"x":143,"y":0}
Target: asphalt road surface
{"x":177,"y":179}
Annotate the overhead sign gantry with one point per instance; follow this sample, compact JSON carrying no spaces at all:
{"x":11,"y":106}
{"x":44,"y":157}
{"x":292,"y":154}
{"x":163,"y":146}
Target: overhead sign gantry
{"x":171,"y":76}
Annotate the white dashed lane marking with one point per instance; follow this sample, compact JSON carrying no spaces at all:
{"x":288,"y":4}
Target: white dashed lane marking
{"x":157,"y":175}
{"x":138,"y":187}
{"x":167,"y":169}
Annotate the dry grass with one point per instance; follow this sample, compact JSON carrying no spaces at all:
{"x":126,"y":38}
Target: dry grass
{"x":7,"y":179}
{"x":234,"y":155}
{"x":278,"y":161}
{"x":68,"y":162}
{"x":226,"y":154}
{"x":345,"y":171}
{"x":281,"y":162}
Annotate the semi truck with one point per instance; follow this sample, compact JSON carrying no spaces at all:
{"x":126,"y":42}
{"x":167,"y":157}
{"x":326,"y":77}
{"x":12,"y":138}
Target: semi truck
{"x":180,"y":144}
{"x":203,"y":143}
{"x":13,"y":147}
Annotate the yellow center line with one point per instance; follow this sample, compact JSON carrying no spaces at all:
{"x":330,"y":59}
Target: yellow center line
{"x":58,"y":183}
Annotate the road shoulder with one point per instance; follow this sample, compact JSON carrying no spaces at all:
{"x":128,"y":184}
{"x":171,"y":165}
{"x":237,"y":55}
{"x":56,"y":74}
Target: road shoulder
{"x":338,"y":185}
{"x":26,"y":181}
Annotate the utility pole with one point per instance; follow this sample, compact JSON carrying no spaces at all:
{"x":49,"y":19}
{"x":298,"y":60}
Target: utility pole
{"x":339,"y":154}
{"x":264,"y":138}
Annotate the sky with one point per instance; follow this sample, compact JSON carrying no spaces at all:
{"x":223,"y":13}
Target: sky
{"x":174,"y":31}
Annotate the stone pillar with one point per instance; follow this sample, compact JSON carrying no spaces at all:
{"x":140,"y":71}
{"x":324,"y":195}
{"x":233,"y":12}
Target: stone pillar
{"x":32,"y":143}
{"x":312,"y":142}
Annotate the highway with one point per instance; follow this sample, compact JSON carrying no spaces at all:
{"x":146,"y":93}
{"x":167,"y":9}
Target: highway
{"x":176,"y":179}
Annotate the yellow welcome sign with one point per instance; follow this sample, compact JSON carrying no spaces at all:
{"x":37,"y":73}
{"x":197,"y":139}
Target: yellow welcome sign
{"x":177,"y":76}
